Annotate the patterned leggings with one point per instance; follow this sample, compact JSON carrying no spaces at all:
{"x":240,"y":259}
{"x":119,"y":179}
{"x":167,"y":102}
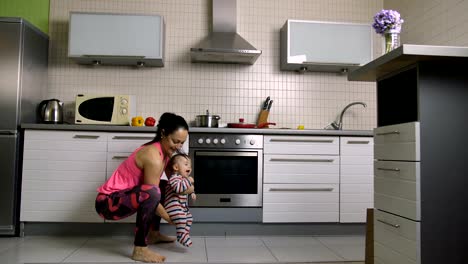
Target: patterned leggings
{"x":141,"y":199}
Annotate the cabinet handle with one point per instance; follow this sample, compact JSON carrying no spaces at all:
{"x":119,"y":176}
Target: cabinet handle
{"x":301,"y":189}
{"x":86,"y":136}
{"x":388,"y":133}
{"x":119,"y":157}
{"x":303,"y":160}
{"x":131,"y":137}
{"x":328,"y":63}
{"x":358,"y":142}
{"x":302,"y":140}
{"x":389,"y":169}
{"x":389,"y":224}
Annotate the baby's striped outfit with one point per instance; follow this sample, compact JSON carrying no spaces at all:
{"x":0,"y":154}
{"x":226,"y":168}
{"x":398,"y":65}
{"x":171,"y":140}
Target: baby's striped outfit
{"x":176,"y":205}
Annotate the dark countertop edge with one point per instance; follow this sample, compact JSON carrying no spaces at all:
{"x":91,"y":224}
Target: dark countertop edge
{"x":264,"y":131}
{"x":405,"y":55}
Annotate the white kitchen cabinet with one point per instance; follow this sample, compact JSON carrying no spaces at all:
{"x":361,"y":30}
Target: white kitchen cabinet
{"x":356,"y":178}
{"x":301,"y":179}
{"x":116,"y":39}
{"x":325,"y":46}
{"x":61,"y":171}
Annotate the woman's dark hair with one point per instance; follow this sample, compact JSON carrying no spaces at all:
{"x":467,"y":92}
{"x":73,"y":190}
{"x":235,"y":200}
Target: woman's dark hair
{"x":167,"y":124}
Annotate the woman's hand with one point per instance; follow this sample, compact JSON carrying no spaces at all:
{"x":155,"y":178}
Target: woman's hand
{"x":163,"y":214}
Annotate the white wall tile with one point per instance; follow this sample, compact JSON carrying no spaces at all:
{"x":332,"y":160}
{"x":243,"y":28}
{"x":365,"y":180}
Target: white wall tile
{"x":231,"y":91}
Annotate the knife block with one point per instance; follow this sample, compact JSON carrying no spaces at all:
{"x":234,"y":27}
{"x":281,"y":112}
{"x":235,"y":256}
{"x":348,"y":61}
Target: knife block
{"x":263,"y":117}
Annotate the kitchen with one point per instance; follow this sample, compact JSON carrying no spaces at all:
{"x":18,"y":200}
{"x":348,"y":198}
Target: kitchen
{"x":312,"y":99}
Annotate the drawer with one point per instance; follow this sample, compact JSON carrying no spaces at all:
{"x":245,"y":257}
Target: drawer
{"x":301,"y":145}
{"x":357,"y":146}
{"x":301,"y":169}
{"x":397,"y":142}
{"x":397,"y":188}
{"x":65,"y":141}
{"x":396,"y":239}
{"x":300,"y":203}
{"x":127,"y":142}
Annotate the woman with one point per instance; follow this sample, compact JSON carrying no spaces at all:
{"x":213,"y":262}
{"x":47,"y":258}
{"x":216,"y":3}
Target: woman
{"x":135,"y":187}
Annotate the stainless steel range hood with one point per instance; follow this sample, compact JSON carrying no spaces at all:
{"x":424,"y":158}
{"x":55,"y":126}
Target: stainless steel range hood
{"x":224,"y":45}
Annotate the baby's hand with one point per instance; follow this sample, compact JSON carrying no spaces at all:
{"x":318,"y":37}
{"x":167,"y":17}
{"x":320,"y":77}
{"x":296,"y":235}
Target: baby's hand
{"x":191,"y":180}
{"x":193,"y":196}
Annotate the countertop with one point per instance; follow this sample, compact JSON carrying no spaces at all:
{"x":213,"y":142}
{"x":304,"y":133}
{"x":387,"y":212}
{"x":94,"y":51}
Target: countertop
{"x":405,"y":55}
{"x":262,"y":131}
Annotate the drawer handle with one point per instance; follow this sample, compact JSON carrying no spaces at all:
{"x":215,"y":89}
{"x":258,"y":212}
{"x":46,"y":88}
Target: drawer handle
{"x":389,"y":169}
{"x":301,"y":190}
{"x":358,"y":142}
{"x":131,"y":137}
{"x":302,"y":140}
{"x":388,"y":133}
{"x":389,"y":224}
{"x":119,"y":157}
{"x":86,"y":136}
{"x":303,"y":160}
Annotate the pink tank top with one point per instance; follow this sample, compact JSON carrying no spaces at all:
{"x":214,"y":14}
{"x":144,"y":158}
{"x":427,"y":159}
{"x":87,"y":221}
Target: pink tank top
{"x":127,"y":175}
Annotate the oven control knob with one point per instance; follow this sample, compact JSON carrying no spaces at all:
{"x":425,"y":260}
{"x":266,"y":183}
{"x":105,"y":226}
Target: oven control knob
{"x":215,"y":141}
{"x":223,"y":141}
{"x":252,"y":142}
{"x":208,"y":141}
{"x":237,"y":141}
{"x":200,"y":141}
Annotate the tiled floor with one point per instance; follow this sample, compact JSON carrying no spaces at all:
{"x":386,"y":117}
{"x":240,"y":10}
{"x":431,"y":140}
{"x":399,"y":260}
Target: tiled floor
{"x":235,"y":249}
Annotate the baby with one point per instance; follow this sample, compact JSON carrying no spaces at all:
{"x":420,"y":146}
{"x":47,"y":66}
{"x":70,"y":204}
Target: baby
{"x":179,"y":186}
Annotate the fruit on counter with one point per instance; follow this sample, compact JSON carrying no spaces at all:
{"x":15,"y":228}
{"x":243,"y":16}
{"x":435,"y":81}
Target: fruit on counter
{"x":150,"y":121}
{"x":137,"y":121}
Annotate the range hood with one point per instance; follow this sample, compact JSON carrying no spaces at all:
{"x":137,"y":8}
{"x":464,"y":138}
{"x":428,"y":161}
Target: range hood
{"x":224,"y":45}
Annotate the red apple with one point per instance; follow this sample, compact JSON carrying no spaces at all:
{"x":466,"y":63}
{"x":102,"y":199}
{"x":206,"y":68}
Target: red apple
{"x":150,"y":121}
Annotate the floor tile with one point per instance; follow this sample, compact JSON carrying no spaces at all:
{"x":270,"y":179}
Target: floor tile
{"x":104,"y":249}
{"x":307,"y":253}
{"x":174,"y":252}
{"x":349,"y":248}
{"x":9,"y":242}
{"x":248,"y":254}
{"x":234,"y":241}
{"x":42,"y":250}
{"x":290,"y":241}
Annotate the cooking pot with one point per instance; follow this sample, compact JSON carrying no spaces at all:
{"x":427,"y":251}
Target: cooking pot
{"x":207,"y":120}
{"x":50,"y":111}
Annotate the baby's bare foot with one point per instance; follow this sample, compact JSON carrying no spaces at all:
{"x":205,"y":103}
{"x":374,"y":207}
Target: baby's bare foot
{"x":146,"y":255}
{"x":156,"y":237}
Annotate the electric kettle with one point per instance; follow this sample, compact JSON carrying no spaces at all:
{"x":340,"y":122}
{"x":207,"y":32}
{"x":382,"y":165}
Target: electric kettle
{"x":50,"y":111}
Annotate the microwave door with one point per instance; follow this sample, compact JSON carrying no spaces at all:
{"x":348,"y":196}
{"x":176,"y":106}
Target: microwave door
{"x":97,"y":109}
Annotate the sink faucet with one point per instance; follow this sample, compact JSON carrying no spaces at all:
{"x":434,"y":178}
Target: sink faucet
{"x":338,"y":123}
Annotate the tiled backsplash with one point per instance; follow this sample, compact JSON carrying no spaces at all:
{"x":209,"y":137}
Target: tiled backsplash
{"x":231,"y":91}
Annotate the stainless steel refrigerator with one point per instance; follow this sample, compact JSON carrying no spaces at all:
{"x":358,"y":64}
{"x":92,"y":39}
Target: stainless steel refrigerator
{"x":23,"y":80}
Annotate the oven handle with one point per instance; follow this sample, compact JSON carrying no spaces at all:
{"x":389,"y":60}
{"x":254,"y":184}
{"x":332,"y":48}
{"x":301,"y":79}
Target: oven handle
{"x":301,"y":189}
{"x":226,"y":153}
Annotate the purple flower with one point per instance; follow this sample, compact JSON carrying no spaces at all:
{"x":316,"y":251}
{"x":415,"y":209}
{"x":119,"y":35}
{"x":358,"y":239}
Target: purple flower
{"x":386,"y":20}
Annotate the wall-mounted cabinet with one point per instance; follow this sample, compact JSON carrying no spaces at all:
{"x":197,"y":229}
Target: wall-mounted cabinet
{"x":116,"y":39}
{"x":324,"y":46}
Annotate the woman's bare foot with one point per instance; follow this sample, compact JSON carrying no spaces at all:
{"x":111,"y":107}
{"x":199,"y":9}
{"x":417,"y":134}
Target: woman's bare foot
{"x":155,"y":237}
{"x":146,"y":255}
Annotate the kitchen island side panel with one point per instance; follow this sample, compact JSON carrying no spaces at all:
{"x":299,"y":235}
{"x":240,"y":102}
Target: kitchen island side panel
{"x":443,"y":109}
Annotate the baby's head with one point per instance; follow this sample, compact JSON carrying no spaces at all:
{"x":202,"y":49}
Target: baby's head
{"x":180,"y":163}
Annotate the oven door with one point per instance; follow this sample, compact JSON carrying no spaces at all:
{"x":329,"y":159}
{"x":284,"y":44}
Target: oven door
{"x":227,"y":178}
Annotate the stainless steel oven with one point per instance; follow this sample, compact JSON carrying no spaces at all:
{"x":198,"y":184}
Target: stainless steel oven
{"x":228,"y":169}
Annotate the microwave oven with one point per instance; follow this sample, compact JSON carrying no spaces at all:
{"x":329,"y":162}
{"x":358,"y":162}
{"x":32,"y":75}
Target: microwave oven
{"x":104,"y":109}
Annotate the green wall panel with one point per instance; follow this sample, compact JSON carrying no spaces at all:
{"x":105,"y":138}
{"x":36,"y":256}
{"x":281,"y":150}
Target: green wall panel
{"x":34,"y":11}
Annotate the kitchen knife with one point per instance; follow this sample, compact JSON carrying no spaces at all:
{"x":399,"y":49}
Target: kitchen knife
{"x":269,"y":105}
{"x":265,"y":104}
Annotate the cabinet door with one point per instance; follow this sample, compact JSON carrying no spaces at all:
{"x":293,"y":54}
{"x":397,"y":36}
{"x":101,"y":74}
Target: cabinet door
{"x":306,"y":203}
{"x":120,"y":146}
{"x":356,"y":178}
{"x":61,"y":172}
{"x":301,"y":145}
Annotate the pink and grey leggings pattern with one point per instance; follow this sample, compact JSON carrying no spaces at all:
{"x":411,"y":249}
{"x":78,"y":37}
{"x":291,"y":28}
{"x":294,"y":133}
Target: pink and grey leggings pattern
{"x":141,"y":199}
